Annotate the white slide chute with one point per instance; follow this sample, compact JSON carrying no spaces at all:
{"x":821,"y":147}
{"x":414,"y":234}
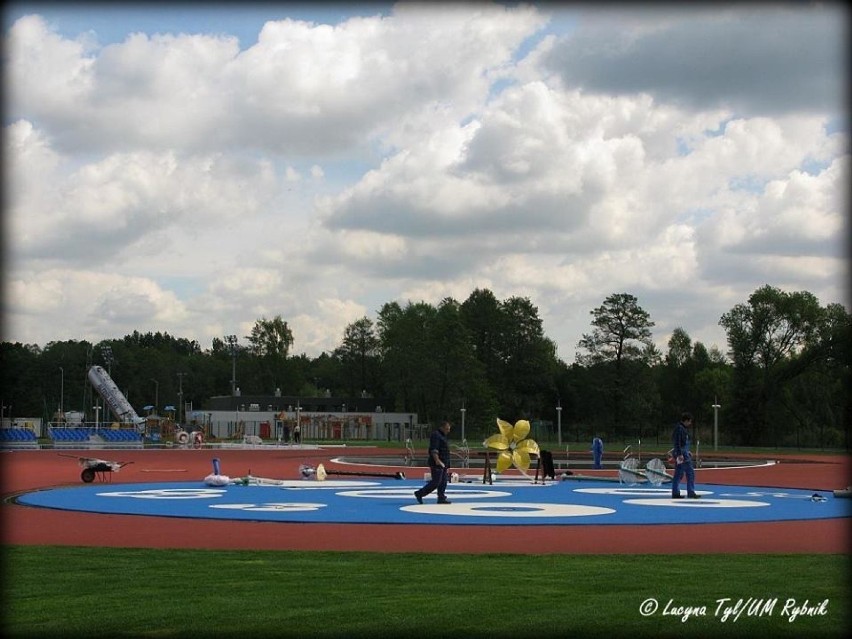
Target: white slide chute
{"x":114,"y":398}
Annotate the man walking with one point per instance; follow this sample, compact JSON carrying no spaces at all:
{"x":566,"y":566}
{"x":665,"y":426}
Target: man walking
{"x":683,"y":458}
{"x":439,"y":464}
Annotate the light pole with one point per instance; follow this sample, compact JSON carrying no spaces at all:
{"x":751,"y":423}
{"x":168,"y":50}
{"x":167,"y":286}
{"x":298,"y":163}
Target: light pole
{"x":97,"y":408}
{"x":463,"y":411}
{"x":180,"y":395}
{"x":156,"y":396}
{"x":231,"y":341}
{"x":62,"y":393}
{"x":716,"y":407}
{"x":559,"y":423}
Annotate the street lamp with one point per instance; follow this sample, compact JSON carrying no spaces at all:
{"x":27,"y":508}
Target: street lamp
{"x":156,"y":396}
{"x":180,"y":395}
{"x":231,"y":341}
{"x":559,"y":423}
{"x":716,"y":407}
{"x":97,"y":408}
{"x":463,"y":411}
{"x":62,"y":393}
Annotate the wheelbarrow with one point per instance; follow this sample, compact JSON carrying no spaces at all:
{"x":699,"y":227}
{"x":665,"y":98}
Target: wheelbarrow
{"x":93,"y":467}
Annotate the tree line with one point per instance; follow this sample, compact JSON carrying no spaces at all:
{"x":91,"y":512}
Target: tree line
{"x":783,"y":381}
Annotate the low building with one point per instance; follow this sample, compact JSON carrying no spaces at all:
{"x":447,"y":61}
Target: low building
{"x":273,"y":417}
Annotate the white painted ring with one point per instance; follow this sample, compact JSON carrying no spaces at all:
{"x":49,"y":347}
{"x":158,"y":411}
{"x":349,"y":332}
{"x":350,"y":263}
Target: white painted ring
{"x":505,"y":510}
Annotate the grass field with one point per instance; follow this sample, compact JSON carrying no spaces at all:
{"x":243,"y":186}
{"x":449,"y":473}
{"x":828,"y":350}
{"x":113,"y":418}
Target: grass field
{"x":91,"y":592}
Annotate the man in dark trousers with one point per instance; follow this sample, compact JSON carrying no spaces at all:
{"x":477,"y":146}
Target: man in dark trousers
{"x":597,"y":452}
{"x":439,"y":464}
{"x":683,"y":458}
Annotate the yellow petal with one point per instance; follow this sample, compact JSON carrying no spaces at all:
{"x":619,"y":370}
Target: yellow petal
{"x":530,"y":446}
{"x":504,"y":460}
{"x":521,"y":459}
{"x":498,"y":441}
{"x":505,"y":428}
{"x":521,"y":430}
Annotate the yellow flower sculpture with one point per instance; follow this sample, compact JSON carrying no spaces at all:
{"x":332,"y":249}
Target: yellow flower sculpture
{"x":514,"y":446}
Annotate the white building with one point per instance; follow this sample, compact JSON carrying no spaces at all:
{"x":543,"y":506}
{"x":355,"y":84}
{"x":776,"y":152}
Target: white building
{"x":273,"y":417}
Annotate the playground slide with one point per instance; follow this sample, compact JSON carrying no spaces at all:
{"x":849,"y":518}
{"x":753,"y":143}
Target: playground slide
{"x":114,"y":398}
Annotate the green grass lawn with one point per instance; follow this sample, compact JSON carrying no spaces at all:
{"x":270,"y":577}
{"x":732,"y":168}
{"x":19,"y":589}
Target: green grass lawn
{"x":90,"y":592}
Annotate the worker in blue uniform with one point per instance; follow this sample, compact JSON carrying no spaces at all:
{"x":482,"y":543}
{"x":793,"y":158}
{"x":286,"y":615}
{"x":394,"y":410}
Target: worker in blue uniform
{"x":597,"y":452}
{"x":682,"y":458}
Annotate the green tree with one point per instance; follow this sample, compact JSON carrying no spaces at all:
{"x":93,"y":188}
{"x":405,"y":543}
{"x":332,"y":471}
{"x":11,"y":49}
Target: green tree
{"x":764,"y":335}
{"x":460,"y":375}
{"x":483,"y":316}
{"x":270,"y":338}
{"x":19,"y":369}
{"x":622,"y":333}
{"x":270,"y":343}
{"x":406,"y":343}
{"x":530,"y":361}
{"x":358,"y":355}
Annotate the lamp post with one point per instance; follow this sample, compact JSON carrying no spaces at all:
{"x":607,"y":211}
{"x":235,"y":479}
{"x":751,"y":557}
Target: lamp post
{"x":559,"y":423}
{"x":97,"y":408}
{"x":61,"y":393}
{"x":463,"y":411}
{"x":180,"y":395}
{"x":156,"y":396}
{"x":716,"y":407}
{"x":231,"y":341}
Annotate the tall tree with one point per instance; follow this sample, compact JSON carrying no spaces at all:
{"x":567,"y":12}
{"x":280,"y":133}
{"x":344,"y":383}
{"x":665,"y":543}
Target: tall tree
{"x":358,"y":354}
{"x":270,"y":343}
{"x":462,"y":381}
{"x":772,"y":327}
{"x":530,"y":361}
{"x":622,"y":329}
{"x":270,"y":338}
{"x":483,"y":315}
{"x":680,"y":348}
{"x":622,"y":333}
{"x":406,"y":341}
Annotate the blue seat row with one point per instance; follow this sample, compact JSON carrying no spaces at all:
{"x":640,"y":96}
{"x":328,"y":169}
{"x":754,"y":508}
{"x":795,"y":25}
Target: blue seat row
{"x":17,"y":435}
{"x":118,"y":435}
{"x":69,"y":434}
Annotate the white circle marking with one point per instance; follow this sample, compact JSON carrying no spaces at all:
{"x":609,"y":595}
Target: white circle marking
{"x":697,"y":503}
{"x":407,"y":493}
{"x":508,"y":509}
{"x":271,"y":507}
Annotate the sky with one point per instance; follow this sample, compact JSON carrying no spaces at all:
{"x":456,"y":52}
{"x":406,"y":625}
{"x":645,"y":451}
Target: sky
{"x":193,"y":168}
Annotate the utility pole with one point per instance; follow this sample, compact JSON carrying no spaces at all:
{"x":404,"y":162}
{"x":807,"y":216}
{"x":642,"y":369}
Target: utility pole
{"x":180,"y":395}
{"x":156,"y":396}
{"x":231,"y":341}
{"x":559,"y":423}
{"x":716,"y":407}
